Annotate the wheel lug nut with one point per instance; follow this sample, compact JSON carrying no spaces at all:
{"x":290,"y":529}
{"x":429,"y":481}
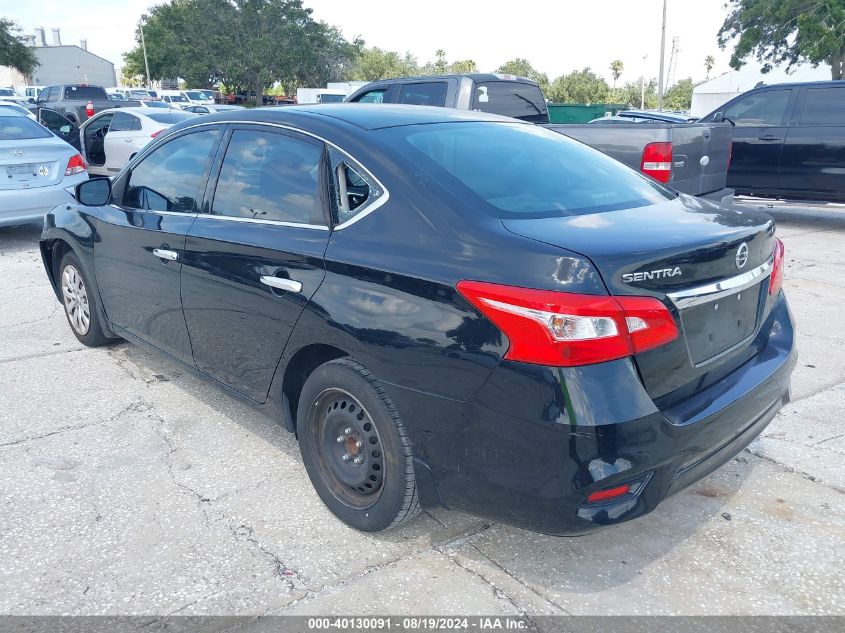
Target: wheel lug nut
{"x":347,"y":430}
{"x":358,"y":460}
{"x":340,"y":439}
{"x":358,"y":444}
{"x":345,"y":457}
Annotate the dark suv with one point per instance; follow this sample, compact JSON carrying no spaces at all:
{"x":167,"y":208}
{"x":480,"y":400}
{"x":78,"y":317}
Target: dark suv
{"x":788,"y":140}
{"x":507,"y":95}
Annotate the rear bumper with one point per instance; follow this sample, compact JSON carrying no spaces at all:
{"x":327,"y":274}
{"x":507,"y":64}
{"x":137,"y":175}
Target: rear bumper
{"x":537,"y":441}
{"x":21,"y":206}
{"x":723,"y":197}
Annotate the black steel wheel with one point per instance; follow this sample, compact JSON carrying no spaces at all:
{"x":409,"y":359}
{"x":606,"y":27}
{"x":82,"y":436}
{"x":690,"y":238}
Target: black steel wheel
{"x":354,"y":447}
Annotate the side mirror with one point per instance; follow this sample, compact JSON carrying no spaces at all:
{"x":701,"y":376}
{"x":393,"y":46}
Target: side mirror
{"x":94,"y":193}
{"x":66,"y":129}
{"x":719,"y":117}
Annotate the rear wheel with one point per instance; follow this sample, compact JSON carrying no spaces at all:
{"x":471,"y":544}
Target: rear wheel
{"x":80,"y":303}
{"x":354,"y":447}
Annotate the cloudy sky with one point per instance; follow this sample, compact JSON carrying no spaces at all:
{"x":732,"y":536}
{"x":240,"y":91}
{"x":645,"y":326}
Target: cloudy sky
{"x":556,"y":36}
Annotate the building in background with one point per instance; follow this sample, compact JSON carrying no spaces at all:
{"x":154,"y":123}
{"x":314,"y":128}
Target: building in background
{"x":708,"y":96}
{"x":61,"y":64}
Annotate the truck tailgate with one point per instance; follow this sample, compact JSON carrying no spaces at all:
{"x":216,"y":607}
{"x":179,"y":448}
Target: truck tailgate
{"x":700,"y":151}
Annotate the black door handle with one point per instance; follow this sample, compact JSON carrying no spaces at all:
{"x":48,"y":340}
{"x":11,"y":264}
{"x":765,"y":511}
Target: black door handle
{"x":769,"y":137}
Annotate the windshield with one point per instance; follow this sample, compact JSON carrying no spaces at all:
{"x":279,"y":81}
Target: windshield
{"x":157,"y":104}
{"x":169,"y":118}
{"x":7,"y":92}
{"x":139,"y":93}
{"x":178,"y":99}
{"x":85,"y":92}
{"x":524,"y":171}
{"x":19,"y":128}
{"x":196,"y":96}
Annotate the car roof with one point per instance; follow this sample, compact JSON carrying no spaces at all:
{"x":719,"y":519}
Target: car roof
{"x":477,"y":77}
{"x":367,"y":116}
{"x":800,"y":84}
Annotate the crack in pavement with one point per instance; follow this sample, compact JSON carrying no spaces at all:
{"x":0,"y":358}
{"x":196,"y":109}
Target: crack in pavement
{"x":794,"y":470}
{"x":41,"y":318}
{"x":41,"y":355}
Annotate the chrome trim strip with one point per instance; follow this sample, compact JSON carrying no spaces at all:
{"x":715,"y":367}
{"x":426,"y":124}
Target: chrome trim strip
{"x":229,"y":218}
{"x":711,"y":292}
{"x":282,"y":284}
{"x":360,"y":216}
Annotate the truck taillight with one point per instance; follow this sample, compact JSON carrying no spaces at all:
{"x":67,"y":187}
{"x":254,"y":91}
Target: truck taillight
{"x":75,"y":165}
{"x":776,"y":278}
{"x":89,"y":109}
{"x":657,"y":161}
{"x":563,"y":329}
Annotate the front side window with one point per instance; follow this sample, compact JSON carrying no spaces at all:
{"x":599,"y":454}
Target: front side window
{"x":515,"y":170}
{"x":373,"y":96}
{"x":52,"y":95}
{"x":823,"y":106}
{"x":123,"y":122}
{"x":270,"y":176}
{"x":431,"y":93}
{"x":54,"y":121}
{"x":511,"y":98}
{"x":760,"y":109}
{"x":353,"y":189}
{"x":171,"y":178}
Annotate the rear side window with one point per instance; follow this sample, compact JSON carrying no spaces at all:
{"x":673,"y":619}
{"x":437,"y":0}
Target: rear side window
{"x":17,"y":127}
{"x":511,"y":98}
{"x":85,"y":92}
{"x":823,"y":106}
{"x":270,"y":176}
{"x":373,"y":96}
{"x":172,"y":176}
{"x":353,"y":189}
{"x":431,"y":94}
{"x":760,"y":109}
{"x":123,"y":122}
{"x":523,"y":171}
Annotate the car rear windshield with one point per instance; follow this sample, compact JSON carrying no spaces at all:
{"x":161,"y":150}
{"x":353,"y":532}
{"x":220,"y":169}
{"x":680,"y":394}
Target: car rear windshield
{"x":7,"y":92}
{"x":19,"y":128}
{"x":169,"y":117}
{"x":524,"y":171}
{"x":515,"y":99}
{"x":85,"y":92}
{"x":196,"y":96}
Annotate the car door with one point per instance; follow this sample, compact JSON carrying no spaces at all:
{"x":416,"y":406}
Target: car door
{"x":759,"y":129}
{"x":93,"y":137}
{"x":255,"y":258}
{"x":60,"y":125}
{"x":120,"y":142}
{"x":814,"y":150}
{"x":141,"y":240}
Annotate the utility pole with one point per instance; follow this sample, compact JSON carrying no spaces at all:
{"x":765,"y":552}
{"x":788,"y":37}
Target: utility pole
{"x":144,"y":48}
{"x":662,"y":55}
{"x":642,"y":84}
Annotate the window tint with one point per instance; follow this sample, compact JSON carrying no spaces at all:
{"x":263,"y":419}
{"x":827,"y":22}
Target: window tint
{"x":85,"y":92}
{"x":269,"y":176}
{"x":169,"y":116}
{"x":353,"y":189}
{"x":762,"y":108}
{"x":431,"y":94}
{"x":823,"y":106}
{"x":123,"y":122}
{"x":513,"y":99}
{"x":52,"y":120}
{"x":171,"y":177}
{"x":52,"y":95}
{"x":517,"y":170}
{"x":17,"y":128}
{"x":373,"y":96}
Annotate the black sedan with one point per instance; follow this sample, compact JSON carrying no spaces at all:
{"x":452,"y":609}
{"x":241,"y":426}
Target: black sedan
{"x":446,"y":307}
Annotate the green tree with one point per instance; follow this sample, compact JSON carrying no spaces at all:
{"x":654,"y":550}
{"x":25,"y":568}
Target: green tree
{"x":374,"y":63}
{"x":463,"y":66}
{"x":13,"y":52}
{"x":786,"y":31}
{"x":679,"y":96}
{"x":521,"y":67}
{"x":616,"y":68}
{"x":630,"y":93}
{"x":709,"y":62}
{"x":580,"y":86}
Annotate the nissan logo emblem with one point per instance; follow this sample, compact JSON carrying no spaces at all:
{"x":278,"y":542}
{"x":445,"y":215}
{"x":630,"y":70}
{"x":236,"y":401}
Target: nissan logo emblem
{"x":17,"y":152}
{"x":742,"y":255}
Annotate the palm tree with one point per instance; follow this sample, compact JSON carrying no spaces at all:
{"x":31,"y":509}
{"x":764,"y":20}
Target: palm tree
{"x":616,"y":67}
{"x":709,"y":62}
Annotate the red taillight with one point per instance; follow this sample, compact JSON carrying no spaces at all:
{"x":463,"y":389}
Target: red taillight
{"x":610,"y":493}
{"x":776,"y":278}
{"x":657,"y":161}
{"x":154,"y":134}
{"x":565,"y":329}
{"x":89,"y":109}
{"x":75,"y":165}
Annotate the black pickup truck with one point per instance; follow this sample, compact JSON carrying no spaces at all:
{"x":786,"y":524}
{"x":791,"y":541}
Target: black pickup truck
{"x":788,"y":140}
{"x":78,"y":102}
{"x":690,"y":157}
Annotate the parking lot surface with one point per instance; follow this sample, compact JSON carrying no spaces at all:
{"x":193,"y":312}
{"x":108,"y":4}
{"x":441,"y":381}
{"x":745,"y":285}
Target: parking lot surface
{"x":130,"y":486}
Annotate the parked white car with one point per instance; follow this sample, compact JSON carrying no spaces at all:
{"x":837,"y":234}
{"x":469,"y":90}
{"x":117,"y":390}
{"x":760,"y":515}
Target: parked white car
{"x":174,"y":98}
{"x":38,"y":168}
{"x":111,"y":138}
{"x":199,"y":97}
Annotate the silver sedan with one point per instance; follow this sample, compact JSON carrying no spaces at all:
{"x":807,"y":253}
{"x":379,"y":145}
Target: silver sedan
{"x":36,"y":168}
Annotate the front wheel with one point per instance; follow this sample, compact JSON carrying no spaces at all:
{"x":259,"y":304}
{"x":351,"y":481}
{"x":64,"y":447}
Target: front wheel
{"x":80,"y":303}
{"x":354,"y":447}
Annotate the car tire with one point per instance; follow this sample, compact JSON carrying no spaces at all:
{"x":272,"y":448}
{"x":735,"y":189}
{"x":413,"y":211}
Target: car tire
{"x":79,"y":299}
{"x":355,"y":448}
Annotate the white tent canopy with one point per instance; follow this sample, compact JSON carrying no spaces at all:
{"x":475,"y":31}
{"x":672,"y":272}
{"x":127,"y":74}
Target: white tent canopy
{"x":711,"y":94}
